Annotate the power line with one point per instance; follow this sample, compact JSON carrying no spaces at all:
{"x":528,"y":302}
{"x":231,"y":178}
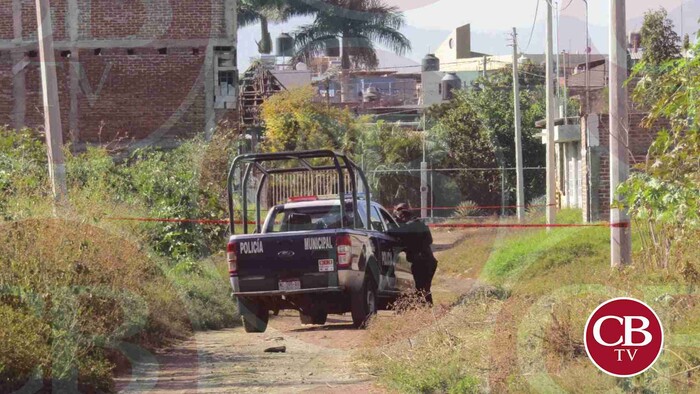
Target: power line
{"x":534,"y":22}
{"x":567,"y":5}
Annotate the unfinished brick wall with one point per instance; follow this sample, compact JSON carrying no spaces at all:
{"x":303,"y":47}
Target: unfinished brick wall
{"x":175,"y":19}
{"x":139,"y":94}
{"x":6,"y":99}
{"x":142,"y":66}
{"x":6,"y":24}
{"x":640,"y":139}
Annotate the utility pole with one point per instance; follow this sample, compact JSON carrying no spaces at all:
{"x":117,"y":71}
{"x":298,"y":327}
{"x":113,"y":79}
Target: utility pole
{"x":588,"y":62}
{"x":52,"y":114}
{"x":483,"y":72}
{"x":518,"y":132}
{"x":620,"y":232}
{"x":558,"y":87}
{"x":424,"y":177}
{"x":551,"y":173}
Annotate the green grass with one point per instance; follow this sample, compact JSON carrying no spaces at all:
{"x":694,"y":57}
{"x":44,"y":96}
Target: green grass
{"x":204,"y":287}
{"x":532,"y":341}
{"x":535,"y":252}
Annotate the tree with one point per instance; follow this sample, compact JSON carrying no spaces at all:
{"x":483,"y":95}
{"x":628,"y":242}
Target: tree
{"x":293,"y":121}
{"x":262,"y":11}
{"x":467,"y":143}
{"x":387,"y":147}
{"x":659,"y":39}
{"x":359,"y":24}
{"x":477,"y":129}
{"x":664,"y":193}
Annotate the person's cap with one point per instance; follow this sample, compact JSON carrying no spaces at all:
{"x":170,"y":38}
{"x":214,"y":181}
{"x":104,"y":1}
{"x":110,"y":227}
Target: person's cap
{"x":401,"y":207}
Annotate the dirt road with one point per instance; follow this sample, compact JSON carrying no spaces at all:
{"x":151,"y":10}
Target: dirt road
{"x":318,"y":359}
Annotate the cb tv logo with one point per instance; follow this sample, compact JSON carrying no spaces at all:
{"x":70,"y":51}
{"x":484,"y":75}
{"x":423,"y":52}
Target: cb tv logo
{"x":623,"y":337}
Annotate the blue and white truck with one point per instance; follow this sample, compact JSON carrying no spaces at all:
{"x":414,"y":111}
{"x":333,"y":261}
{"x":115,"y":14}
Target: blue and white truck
{"x":317,"y":255}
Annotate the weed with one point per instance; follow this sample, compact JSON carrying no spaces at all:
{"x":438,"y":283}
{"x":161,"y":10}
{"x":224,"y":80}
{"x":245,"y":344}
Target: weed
{"x":467,"y":209}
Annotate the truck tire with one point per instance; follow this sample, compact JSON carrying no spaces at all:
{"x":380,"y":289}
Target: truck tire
{"x":363,"y":303}
{"x":253,"y":316}
{"x":315,"y":317}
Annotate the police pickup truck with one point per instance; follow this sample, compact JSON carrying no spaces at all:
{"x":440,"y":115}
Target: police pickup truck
{"x":317,"y":255}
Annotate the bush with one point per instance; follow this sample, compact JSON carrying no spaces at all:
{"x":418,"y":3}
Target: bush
{"x":24,"y":340}
{"x":22,"y":166}
{"x":205,"y":292}
{"x":71,"y":292}
{"x":78,"y":290}
{"x":467,"y":209}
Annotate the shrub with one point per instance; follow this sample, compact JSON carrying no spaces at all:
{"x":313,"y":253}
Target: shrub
{"x":536,"y":207}
{"x":22,"y":166}
{"x":205,"y":292}
{"x":24,"y":340}
{"x":77,"y":290}
{"x":71,"y":292}
{"x":467,"y":209}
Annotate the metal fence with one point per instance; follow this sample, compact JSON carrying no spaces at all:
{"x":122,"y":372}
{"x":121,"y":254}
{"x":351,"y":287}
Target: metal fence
{"x":390,"y":185}
{"x":282,"y":186}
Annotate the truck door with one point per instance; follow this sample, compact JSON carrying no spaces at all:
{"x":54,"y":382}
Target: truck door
{"x":402,"y":268}
{"x":387,"y":253}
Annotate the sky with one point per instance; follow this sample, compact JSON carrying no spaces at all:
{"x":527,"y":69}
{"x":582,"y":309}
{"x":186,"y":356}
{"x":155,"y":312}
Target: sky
{"x":428,"y":22}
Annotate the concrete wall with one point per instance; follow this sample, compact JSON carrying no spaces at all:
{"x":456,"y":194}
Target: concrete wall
{"x":127,"y":70}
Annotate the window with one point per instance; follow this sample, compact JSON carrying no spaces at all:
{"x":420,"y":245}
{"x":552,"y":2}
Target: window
{"x":226,"y":78}
{"x":388,"y":220}
{"x":309,"y":218}
{"x":377,"y":223}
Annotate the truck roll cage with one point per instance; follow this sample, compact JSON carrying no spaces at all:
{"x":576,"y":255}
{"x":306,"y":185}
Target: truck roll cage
{"x":255,"y":161}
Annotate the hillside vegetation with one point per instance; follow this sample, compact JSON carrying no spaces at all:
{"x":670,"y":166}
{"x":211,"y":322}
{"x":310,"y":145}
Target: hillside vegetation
{"x":82,"y":293}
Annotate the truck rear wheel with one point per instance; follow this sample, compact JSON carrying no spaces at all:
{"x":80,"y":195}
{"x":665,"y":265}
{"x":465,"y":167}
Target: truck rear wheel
{"x":315,"y":317}
{"x":253,"y":316}
{"x":363,"y":303}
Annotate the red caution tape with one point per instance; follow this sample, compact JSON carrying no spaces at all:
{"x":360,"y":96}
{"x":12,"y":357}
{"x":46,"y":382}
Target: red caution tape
{"x":522,"y":226}
{"x":197,"y":221}
{"x":435,"y":225}
{"x":484,"y":207}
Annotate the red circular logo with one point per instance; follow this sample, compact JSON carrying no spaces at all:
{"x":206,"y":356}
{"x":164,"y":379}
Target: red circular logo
{"x":623,"y":337}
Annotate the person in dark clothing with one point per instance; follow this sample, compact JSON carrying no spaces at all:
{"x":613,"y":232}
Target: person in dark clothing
{"x":416,"y":238}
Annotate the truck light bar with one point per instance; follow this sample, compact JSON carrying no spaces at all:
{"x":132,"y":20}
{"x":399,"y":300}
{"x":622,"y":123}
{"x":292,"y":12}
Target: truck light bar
{"x":302,"y":198}
{"x":348,"y":196}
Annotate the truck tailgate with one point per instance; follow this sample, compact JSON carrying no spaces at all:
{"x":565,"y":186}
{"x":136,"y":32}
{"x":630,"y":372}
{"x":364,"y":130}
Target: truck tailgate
{"x":287,"y":261}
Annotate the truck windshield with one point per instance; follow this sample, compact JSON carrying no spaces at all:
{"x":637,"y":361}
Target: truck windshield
{"x":308,"y":218}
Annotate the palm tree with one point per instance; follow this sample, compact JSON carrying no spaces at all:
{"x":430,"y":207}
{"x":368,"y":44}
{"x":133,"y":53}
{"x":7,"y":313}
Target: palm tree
{"x":263,"y":11}
{"x":359,"y":24}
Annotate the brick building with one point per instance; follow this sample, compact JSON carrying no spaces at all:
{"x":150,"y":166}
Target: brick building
{"x":582,"y":153}
{"x":596,"y":156}
{"x":129,"y":70}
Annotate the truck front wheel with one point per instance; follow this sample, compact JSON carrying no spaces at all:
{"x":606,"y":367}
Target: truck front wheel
{"x":253,"y":315}
{"x":363,"y":303}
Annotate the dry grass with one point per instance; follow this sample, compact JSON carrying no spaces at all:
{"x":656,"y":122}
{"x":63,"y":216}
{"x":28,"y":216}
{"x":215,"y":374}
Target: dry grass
{"x":528,"y":336}
{"x":438,"y":349}
{"x":468,"y":257}
{"x":90,"y":289}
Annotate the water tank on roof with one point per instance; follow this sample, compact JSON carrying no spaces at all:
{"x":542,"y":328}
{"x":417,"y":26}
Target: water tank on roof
{"x":371,"y":94}
{"x":332,"y":47}
{"x":431,"y":63}
{"x":285,"y":45}
{"x":450,"y":82}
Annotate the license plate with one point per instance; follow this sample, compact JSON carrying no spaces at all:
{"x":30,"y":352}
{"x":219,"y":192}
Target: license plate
{"x":288,"y":285}
{"x":325,"y":265}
